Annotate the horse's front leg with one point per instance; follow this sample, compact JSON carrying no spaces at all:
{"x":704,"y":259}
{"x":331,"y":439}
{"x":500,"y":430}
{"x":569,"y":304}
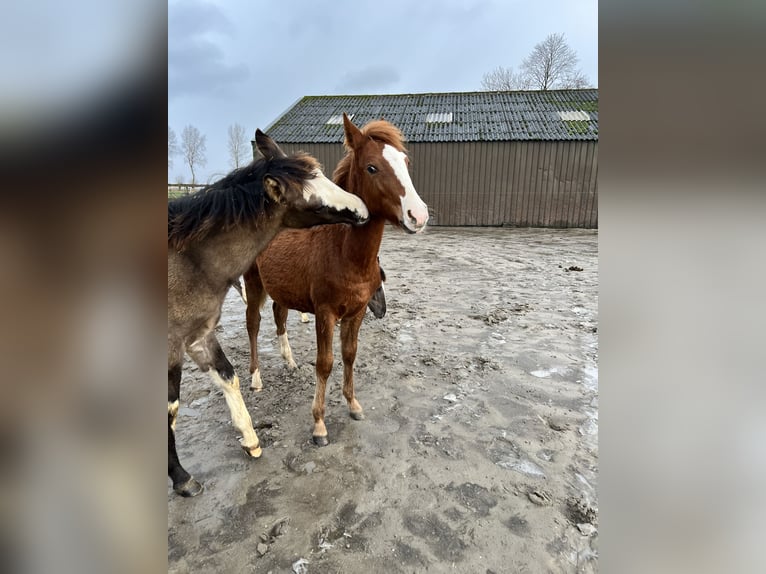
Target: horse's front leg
{"x":207,"y":353}
{"x":349,"y":333}
{"x":280,"y":319}
{"x":325,"y":325}
{"x":183,"y":483}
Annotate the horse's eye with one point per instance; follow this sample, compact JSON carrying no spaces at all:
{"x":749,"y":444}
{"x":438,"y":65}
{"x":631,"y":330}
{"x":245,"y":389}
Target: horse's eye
{"x":372,"y":169}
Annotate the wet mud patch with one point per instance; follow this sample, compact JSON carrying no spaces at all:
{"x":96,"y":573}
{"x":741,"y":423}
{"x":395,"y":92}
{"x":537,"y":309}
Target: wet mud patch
{"x":518,"y":525}
{"x":238,"y":520}
{"x":409,"y":555}
{"x":439,"y":471}
{"x":445,"y":543}
{"x":428,"y":444}
{"x":474,"y":497}
{"x":509,"y":455}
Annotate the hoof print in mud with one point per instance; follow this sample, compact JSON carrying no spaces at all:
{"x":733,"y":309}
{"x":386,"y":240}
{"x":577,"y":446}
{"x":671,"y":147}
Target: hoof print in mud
{"x":189,"y":488}
{"x":321,"y":440}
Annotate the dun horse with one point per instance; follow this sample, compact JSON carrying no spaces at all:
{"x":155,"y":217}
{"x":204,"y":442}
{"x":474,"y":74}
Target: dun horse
{"x":213,"y":237}
{"x":333,"y":271}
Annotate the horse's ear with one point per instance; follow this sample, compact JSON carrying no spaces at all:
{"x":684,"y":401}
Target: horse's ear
{"x":267,"y":146}
{"x":354,"y":137}
{"x":273,"y":189}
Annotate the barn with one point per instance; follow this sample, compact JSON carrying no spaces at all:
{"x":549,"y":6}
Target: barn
{"x":520,"y":159}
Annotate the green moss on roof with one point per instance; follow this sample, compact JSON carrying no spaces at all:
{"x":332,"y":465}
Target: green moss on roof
{"x":477,"y":116}
{"x":576,"y":127}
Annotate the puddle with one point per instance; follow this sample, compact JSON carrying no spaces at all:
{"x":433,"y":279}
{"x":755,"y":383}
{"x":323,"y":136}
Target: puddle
{"x":523,"y":466}
{"x":546,"y":373}
{"x":188,"y":412}
{"x":404,"y":338}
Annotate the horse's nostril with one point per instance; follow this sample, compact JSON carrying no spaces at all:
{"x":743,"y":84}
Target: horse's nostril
{"x":412,"y":217}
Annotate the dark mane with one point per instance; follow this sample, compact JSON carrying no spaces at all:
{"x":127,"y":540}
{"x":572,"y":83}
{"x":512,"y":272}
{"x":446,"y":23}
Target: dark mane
{"x":233,"y":200}
{"x":378,"y":130}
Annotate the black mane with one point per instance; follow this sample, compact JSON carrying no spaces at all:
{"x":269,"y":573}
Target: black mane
{"x":233,"y":200}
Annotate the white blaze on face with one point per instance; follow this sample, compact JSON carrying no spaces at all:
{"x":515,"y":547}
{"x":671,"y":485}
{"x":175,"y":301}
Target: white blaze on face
{"x":333,"y":196}
{"x":414,"y":210}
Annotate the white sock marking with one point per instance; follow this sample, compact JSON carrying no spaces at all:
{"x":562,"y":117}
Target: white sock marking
{"x":173,"y":412}
{"x":257,"y":383}
{"x":239,"y":413}
{"x":286,"y":351}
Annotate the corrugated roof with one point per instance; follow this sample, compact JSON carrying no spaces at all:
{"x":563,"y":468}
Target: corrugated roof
{"x":475,"y":116}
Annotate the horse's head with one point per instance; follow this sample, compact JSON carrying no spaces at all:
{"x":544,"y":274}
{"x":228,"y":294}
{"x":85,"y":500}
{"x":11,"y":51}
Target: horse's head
{"x":377,"y":304}
{"x":381,"y":177}
{"x":309,"y":197}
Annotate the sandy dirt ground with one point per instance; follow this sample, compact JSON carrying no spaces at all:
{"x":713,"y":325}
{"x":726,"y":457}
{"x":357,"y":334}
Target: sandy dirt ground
{"x":479,"y":449}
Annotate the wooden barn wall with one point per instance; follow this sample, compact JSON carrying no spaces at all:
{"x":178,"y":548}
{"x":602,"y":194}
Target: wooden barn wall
{"x":520,"y":184}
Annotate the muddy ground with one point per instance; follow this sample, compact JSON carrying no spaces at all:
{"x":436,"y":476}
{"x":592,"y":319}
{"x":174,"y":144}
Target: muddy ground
{"x":479,"y":449}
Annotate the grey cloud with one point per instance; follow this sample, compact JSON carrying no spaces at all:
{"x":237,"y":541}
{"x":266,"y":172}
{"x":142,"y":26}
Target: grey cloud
{"x":198,"y":68}
{"x":192,"y":18}
{"x":196,"y":63}
{"x":371,"y":78}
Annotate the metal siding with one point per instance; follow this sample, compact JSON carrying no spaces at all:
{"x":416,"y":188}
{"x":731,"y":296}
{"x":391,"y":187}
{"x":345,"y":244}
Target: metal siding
{"x":561,"y":162}
{"x":517,"y":183}
{"x":568,"y":176}
{"x":571,"y":177}
{"x":582,"y":174}
{"x":592,"y":209}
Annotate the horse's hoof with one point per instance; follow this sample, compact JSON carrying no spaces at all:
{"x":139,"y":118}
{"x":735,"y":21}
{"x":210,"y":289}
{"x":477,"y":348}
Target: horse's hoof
{"x":321,"y":440}
{"x":254,"y":452}
{"x":357,"y":416}
{"x":189,"y":488}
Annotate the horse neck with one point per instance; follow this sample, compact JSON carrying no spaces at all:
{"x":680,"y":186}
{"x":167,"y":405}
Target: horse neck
{"x":361,"y":244}
{"x":229,"y":254}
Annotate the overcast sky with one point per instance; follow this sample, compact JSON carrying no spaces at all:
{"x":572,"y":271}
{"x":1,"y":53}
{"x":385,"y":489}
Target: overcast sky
{"x":248,"y":61}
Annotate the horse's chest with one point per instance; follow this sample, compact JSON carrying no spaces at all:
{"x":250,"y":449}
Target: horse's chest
{"x":346,"y":298}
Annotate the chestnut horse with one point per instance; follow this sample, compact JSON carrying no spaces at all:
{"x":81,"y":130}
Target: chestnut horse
{"x":377,"y":304}
{"x":333,"y":271}
{"x":213,"y":237}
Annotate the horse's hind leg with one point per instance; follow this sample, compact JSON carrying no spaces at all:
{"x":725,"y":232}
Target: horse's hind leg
{"x":280,"y":319}
{"x":256,"y":295}
{"x":349,"y":333}
{"x":183,"y":483}
{"x":207,"y":353}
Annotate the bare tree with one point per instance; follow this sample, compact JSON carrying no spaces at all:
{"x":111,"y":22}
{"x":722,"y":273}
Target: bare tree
{"x":193,"y":148}
{"x":553,"y":65}
{"x":238,"y":145}
{"x":503,"y":79}
{"x":172,"y":146}
{"x":576,"y":80}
